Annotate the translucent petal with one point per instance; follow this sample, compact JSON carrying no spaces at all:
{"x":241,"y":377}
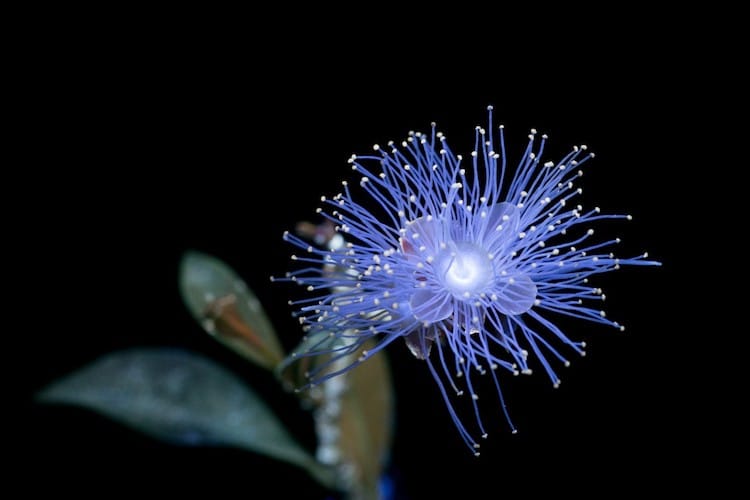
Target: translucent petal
{"x":422,"y":232}
{"x":502,"y":223}
{"x":429,"y":306}
{"x":515,"y":293}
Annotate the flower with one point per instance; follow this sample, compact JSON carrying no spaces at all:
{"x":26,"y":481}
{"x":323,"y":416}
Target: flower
{"x":458,"y":256}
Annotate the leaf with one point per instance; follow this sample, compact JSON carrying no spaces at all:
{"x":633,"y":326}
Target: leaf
{"x":182,"y":398}
{"x":227,"y":309}
{"x":354,"y":410}
{"x":293,"y":370}
{"x":366,"y":421}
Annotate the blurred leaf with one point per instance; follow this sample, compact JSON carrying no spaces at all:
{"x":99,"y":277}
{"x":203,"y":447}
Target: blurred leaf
{"x":226,"y":308}
{"x":184,"y":399}
{"x":294,"y":369}
{"x":366,"y":421}
{"x":354,"y":411}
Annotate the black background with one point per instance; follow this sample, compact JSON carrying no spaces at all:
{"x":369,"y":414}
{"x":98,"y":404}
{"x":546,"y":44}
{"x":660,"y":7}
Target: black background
{"x":217,"y":137}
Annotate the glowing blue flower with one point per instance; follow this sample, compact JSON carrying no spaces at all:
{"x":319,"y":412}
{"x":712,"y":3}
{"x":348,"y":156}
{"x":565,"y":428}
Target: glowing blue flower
{"x":458,"y":255}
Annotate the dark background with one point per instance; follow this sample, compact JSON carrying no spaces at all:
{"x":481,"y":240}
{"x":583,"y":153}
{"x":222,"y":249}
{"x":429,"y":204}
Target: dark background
{"x":218,"y":138}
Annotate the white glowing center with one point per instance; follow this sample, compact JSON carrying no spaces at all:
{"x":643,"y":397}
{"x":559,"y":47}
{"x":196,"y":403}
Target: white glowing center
{"x":465,"y":268}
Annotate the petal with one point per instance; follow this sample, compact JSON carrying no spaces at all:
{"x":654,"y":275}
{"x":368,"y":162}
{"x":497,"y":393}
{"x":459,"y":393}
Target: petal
{"x":422,"y":232}
{"x":515,"y":293}
{"x":502,"y":221}
{"x":429,"y":306}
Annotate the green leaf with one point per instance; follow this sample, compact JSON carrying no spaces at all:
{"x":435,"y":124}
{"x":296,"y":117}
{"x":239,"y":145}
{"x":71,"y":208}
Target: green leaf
{"x":366,"y":421}
{"x":293,"y":370}
{"x":182,"y":398}
{"x":227,"y":309}
{"x":354,"y":420}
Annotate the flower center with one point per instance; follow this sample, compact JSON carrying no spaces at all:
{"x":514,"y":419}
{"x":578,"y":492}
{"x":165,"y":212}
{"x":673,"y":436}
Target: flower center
{"x":465,"y":269}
